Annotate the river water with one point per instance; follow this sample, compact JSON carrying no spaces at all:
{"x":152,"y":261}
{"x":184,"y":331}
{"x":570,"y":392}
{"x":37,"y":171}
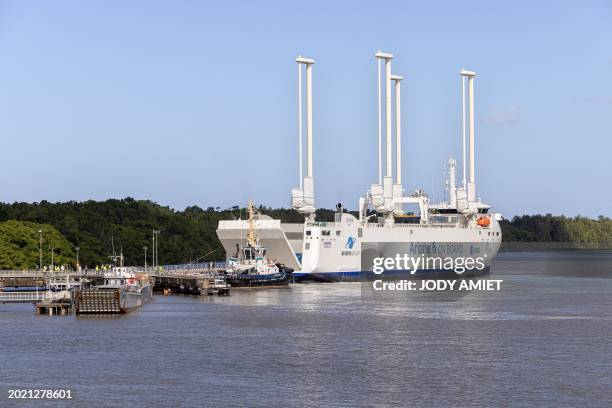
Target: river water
{"x":544,"y":339}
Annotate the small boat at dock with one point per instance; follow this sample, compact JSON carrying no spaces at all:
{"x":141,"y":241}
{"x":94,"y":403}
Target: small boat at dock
{"x":254,"y":269}
{"x":250,"y":265}
{"x":124,"y":290}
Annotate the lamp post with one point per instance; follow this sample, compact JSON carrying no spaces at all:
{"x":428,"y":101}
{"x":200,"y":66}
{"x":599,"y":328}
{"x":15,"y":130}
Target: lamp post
{"x":40,"y":265}
{"x":154,"y":243}
{"x":145,"y":259}
{"x":78,"y":268}
{"x":155,"y":249}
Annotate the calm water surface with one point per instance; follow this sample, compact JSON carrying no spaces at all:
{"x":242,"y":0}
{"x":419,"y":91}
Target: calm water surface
{"x":544,"y":340}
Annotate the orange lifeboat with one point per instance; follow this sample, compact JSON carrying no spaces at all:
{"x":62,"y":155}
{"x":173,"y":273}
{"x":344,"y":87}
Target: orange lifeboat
{"x":483,"y":221}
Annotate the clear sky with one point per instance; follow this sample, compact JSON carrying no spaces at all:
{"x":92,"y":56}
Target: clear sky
{"x":194,"y":103}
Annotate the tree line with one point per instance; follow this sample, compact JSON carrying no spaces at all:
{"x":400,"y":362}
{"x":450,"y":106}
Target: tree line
{"x":582,"y":231}
{"x":189,"y":235}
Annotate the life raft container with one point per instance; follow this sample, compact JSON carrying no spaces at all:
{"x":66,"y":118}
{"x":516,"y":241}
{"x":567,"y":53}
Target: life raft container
{"x":483,"y":221}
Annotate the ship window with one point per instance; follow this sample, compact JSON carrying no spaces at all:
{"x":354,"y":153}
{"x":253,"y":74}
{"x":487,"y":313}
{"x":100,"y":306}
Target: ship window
{"x":360,"y":233}
{"x":325,"y":232}
{"x":307,"y":247}
{"x":338,"y":232}
{"x":445,"y":211}
{"x":308,"y":232}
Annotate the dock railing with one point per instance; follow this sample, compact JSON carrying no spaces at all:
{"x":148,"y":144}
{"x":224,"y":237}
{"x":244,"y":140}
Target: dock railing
{"x":32,"y":297}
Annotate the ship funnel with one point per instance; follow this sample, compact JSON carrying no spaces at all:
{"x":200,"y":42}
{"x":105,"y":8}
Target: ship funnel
{"x":471,"y":186}
{"x":302,"y":198}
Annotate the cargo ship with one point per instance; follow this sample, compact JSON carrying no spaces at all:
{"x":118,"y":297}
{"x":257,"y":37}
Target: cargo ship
{"x":458,"y":237}
{"x":390,"y":222}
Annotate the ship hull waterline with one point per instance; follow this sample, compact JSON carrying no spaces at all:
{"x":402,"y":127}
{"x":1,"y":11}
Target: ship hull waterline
{"x":279,"y":280}
{"x":360,"y":260}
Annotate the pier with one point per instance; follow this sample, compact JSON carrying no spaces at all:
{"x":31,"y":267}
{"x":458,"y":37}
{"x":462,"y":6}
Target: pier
{"x":179,"y":279}
{"x":45,"y":302}
{"x":40,"y":278}
{"x":54,"y":308}
{"x":33,"y":297}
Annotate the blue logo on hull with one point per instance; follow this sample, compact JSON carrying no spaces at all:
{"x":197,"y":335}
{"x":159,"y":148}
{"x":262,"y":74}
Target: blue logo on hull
{"x":350,"y":242}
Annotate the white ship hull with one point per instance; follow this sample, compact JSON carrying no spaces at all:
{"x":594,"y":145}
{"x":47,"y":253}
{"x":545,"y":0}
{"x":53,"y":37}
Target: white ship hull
{"x":347,"y":251}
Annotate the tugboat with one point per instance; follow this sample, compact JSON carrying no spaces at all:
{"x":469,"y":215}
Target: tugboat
{"x":250,"y":266}
{"x":124,"y":290}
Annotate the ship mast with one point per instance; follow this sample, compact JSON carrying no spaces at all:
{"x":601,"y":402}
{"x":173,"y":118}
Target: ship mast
{"x":251,"y":235}
{"x":302,"y":198}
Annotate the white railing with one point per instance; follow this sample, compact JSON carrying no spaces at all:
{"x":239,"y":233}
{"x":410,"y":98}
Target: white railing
{"x":407,"y":225}
{"x":32,"y":273}
{"x":27,"y":297}
{"x":244,"y":224}
{"x":186,"y":273}
{"x":396,"y":225}
{"x":25,"y":273}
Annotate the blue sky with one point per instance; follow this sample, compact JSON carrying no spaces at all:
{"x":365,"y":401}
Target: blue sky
{"x":194,"y":103}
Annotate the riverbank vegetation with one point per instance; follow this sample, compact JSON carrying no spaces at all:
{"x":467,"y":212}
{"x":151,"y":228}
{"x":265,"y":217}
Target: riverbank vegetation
{"x":21,"y":246}
{"x":189,"y":235}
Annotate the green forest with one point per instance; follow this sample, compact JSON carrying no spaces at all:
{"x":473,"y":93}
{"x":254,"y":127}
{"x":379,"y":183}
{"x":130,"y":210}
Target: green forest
{"x":189,"y":235}
{"x":20,"y":245}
